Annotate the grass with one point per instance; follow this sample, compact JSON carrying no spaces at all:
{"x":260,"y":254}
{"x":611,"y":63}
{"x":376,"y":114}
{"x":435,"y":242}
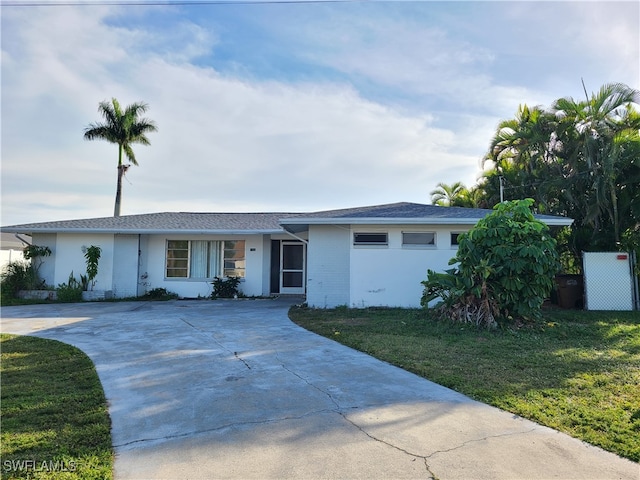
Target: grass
{"x":575,"y":371}
{"x":55,"y":422}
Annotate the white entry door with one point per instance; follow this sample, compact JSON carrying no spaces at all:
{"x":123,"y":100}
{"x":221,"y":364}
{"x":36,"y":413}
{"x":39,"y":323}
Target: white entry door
{"x":292,"y":262}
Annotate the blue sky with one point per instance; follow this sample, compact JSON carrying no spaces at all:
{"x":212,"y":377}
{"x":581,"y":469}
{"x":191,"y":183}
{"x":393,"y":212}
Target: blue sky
{"x":285,"y":107}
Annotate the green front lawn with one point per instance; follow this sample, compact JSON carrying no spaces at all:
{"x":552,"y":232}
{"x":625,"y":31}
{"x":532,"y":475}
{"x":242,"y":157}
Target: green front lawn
{"x":55,"y":422}
{"x":577,"y":371}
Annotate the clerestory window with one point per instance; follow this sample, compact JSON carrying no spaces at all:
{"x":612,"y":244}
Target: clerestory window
{"x":366,"y":238}
{"x":419,"y":239}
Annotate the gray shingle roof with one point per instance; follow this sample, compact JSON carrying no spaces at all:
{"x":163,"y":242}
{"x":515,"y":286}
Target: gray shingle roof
{"x":404,"y":212}
{"x":401,"y":210}
{"x":168,"y":222}
{"x":268,"y":222}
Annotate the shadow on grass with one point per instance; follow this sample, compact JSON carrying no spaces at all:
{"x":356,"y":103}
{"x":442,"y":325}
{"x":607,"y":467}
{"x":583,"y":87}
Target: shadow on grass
{"x":575,"y":371}
{"x":55,"y":422}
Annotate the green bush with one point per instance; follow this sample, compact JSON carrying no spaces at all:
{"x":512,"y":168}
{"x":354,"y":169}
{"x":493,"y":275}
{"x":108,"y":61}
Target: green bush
{"x":505,"y":269}
{"x":226,"y":287}
{"x":160,"y":294}
{"x":92,"y":256}
{"x":19,"y":275}
{"x":69,"y":292}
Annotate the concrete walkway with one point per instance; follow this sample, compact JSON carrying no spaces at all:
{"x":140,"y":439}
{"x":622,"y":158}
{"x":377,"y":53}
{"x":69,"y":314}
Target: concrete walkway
{"x":233,"y":389}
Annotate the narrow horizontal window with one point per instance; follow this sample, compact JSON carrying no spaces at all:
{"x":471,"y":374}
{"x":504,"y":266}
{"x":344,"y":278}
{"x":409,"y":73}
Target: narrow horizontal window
{"x":370,"y":239}
{"x":418,"y":238}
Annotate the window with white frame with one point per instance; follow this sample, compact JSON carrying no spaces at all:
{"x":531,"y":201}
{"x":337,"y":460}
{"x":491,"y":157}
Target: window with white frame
{"x":419,"y":239}
{"x":370,"y":238}
{"x":204,"y":259}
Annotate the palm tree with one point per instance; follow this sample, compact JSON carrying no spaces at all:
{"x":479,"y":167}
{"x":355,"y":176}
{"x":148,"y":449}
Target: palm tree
{"x":523,"y":151}
{"x":123,"y":128}
{"x":449,"y":195}
{"x":601,"y":128}
{"x":578,"y":159}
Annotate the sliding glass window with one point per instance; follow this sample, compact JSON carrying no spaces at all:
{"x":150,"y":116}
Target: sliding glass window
{"x":203,"y":259}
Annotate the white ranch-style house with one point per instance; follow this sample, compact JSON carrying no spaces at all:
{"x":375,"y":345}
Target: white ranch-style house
{"x":358,"y":257}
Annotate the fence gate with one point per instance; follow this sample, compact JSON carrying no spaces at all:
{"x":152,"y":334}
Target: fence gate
{"x":609,"y":283}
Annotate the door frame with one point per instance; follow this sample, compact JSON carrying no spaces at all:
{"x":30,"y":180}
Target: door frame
{"x":301,"y":290}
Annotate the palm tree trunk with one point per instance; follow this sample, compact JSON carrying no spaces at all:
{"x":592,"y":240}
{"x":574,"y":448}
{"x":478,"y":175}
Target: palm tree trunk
{"x":614,"y":204}
{"x":116,"y":208}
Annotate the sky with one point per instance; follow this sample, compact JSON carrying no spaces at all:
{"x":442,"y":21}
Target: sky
{"x":285,"y":107}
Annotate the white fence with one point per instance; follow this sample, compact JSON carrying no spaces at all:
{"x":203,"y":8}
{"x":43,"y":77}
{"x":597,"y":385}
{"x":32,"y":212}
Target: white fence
{"x":609,"y":282}
{"x":8,"y":256}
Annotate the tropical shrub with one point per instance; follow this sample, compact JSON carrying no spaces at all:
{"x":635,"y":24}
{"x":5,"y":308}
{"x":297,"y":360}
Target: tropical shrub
{"x":92,"y":256}
{"x":504,"y":269}
{"x":226,"y":287}
{"x":16,"y":276}
{"x":24,"y":274}
{"x":69,"y":292}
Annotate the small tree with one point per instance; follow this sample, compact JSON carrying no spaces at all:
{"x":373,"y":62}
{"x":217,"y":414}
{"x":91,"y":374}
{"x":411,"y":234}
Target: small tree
{"x":505,"y":269}
{"x":92,"y":256}
{"x":35,"y":254}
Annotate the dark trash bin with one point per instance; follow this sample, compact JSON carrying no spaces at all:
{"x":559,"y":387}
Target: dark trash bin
{"x":570,"y":291}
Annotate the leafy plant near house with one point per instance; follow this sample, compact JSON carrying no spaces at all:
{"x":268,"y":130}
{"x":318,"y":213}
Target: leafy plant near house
{"x":35,"y":254}
{"x":24,"y":274}
{"x":16,"y":276}
{"x":69,"y":292}
{"x":505,"y":269}
{"x":225,"y":287}
{"x":92,"y":256}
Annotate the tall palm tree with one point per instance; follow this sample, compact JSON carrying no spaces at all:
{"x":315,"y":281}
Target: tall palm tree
{"x":123,"y":128}
{"x":449,"y":195}
{"x":601,"y":127}
{"x":523,"y":150}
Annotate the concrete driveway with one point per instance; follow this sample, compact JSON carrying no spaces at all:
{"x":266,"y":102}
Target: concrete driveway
{"x":233,"y":389}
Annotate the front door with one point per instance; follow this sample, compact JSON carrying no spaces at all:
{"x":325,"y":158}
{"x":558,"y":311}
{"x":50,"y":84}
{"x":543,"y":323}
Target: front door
{"x":292,"y":264}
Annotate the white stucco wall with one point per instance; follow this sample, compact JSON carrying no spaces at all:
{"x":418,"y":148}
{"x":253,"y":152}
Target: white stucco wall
{"x":153,"y":264}
{"x":328,"y":266}
{"x":125,"y":266}
{"x":340,"y":273}
{"x":143,"y":264}
{"x":391,"y":275}
{"x":69,"y":257}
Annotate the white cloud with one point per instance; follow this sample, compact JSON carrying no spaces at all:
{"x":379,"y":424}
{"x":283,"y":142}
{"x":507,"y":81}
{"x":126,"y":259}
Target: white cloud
{"x":239,"y":141}
{"x":223,"y":143}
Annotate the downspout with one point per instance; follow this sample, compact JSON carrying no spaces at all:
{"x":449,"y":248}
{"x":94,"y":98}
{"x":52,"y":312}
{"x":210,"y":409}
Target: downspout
{"x":23,"y":240}
{"x":138,"y":261}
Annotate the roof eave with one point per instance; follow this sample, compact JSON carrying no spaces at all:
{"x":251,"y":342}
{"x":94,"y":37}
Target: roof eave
{"x":111,"y":231}
{"x":559,"y":221}
{"x":379,"y":220}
